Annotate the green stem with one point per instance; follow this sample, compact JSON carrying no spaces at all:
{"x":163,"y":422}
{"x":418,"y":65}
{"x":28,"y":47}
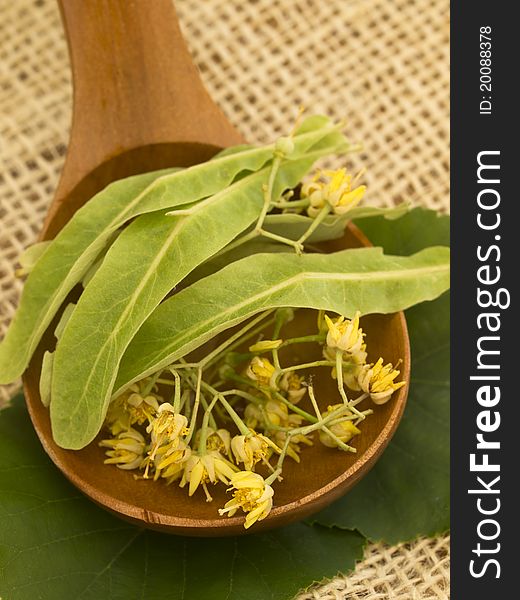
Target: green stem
{"x":274,"y":475}
{"x":241,"y":394}
{"x":204,"y":427}
{"x":268,"y":192}
{"x":358,"y":400}
{"x":165,"y":381}
{"x":316,"y":363}
{"x":278,"y":324}
{"x":294,"y":408}
{"x":310,"y":389}
{"x":317,"y":220}
{"x":242,"y":427}
{"x":184,"y":402}
{"x":303,"y":339}
{"x":204,"y":403}
{"x":278,"y":238}
{"x":193,"y":422}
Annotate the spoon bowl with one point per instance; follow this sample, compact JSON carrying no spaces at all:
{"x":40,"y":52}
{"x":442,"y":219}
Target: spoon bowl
{"x":139,"y":105}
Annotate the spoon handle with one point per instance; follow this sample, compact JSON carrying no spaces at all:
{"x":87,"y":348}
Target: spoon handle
{"x":134,"y":85}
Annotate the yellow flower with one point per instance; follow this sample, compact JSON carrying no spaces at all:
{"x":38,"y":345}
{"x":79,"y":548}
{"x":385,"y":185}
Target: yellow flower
{"x":131,"y":408}
{"x":265,"y":345}
{"x":345,"y":334}
{"x":291,"y":383}
{"x":260,"y":370}
{"x":344,"y":430}
{"x":126,"y":449}
{"x":167,"y":425}
{"x":378,"y":381}
{"x":168,"y":460}
{"x":336,"y":189}
{"x":219,"y":441}
{"x":209,"y":468}
{"x":249,"y":449}
{"x":252,"y":494}
{"x":165,"y":429}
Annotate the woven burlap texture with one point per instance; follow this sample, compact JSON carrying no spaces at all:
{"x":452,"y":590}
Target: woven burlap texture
{"x":381,"y":65}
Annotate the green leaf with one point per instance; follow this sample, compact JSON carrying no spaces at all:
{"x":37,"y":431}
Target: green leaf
{"x":66,"y":260}
{"x":363,"y":279}
{"x":55,"y":543}
{"x":149,"y":258}
{"x":414,"y":231}
{"x":407,"y":492}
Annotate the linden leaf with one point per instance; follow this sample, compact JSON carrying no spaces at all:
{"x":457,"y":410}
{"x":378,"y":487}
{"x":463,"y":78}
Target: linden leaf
{"x":65,"y":261}
{"x":55,"y":543}
{"x":361,"y":279}
{"x":407,"y":492}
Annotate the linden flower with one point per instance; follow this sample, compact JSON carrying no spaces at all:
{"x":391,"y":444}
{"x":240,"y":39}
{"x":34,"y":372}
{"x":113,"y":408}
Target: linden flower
{"x":249,"y":449}
{"x":126,"y":449}
{"x":168,"y":460}
{"x":167,"y":425}
{"x":252,"y":494}
{"x":260,"y":370}
{"x":291,"y":383}
{"x":219,"y":441}
{"x":166,"y":429}
{"x":211,"y":467}
{"x":345,"y":334}
{"x":378,"y":381}
{"x":130,"y":409}
{"x":344,"y":430}
{"x":337,"y":191}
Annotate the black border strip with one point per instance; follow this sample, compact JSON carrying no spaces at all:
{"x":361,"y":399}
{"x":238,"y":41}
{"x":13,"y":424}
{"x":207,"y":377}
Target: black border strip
{"x":490,"y":247}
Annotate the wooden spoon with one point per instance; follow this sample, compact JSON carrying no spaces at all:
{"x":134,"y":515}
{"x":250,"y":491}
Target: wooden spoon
{"x":139,"y":105}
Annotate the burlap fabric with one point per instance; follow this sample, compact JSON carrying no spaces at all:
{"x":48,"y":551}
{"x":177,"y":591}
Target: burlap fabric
{"x":381,"y":65}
